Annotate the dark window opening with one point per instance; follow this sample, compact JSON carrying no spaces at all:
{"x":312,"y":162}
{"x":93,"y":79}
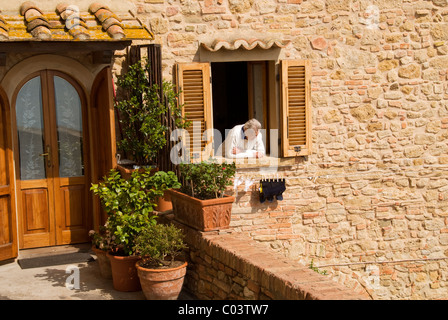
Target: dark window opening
{"x":240,"y":93}
{"x":230,"y":95}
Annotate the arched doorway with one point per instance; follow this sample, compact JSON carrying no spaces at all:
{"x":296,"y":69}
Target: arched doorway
{"x":51,"y":151}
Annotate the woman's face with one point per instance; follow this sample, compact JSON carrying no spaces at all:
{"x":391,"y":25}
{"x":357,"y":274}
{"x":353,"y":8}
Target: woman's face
{"x":251,"y":134}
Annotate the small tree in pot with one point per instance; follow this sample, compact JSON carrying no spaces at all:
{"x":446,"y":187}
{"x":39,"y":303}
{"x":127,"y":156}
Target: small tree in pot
{"x":141,"y":109}
{"x":161,"y":273}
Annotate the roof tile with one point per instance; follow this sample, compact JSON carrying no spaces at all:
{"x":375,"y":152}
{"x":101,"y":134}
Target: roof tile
{"x":94,"y":7}
{"x":36,"y":23}
{"x":67,"y":23}
{"x":27,"y":5}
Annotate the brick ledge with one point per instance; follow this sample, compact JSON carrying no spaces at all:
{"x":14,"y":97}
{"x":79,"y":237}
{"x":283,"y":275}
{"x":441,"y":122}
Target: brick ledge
{"x":283,"y":279}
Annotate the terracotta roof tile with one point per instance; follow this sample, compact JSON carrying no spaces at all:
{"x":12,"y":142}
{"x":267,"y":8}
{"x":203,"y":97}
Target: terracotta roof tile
{"x":247,"y":44}
{"x":109,"y":20}
{"x":27,"y":5}
{"x":74,"y":22}
{"x":67,"y":23}
{"x":35,"y":21}
{"x":4,"y":28}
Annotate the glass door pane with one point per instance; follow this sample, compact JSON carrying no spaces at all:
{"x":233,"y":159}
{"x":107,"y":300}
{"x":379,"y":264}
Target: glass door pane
{"x":30,"y":127}
{"x":69,"y":129}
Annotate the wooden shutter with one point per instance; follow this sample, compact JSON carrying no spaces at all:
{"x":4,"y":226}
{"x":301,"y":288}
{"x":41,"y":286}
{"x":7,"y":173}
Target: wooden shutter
{"x":295,"y":107}
{"x":193,"y":81}
{"x":8,"y":227}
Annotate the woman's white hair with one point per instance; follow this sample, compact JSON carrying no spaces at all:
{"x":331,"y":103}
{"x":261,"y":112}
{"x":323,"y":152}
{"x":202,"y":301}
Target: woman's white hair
{"x":253,"y":124}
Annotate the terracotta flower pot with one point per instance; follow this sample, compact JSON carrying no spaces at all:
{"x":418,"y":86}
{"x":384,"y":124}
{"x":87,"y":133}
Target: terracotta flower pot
{"x":103,"y":262}
{"x":161,"y":284}
{"x":124,"y":273}
{"x":126,"y":172}
{"x":164,"y":203}
{"x":203,"y":215}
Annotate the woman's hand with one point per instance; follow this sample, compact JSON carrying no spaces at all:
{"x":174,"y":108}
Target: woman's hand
{"x":235,"y":150}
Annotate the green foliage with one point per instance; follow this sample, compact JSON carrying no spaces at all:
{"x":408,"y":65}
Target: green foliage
{"x":102,"y":239}
{"x":172,"y":99}
{"x":141,"y":110}
{"x":207,"y":179}
{"x":159,"y":245}
{"x":130,"y":203}
{"x":316,"y":269}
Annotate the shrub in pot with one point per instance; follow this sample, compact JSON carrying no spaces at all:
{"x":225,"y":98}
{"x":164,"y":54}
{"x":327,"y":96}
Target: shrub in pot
{"x":201,"y":203}
{"x":129,"y":204}
{"x":160,"y":271}
{"x":141,"y":106}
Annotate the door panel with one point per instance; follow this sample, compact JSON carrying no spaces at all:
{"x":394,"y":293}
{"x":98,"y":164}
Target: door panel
{"x":30,"y":130}
{"x":74,"y":203}
{"x":69,"y":129}
{"x":8,"y":234}
{"x":50,"y":135}
{"x":73,"y":217}
{"x":102,"y":136}
{"x":34,"y":173}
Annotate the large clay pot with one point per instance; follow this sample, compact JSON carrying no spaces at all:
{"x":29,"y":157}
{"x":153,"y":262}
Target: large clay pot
{"x":203,"y":215}
{"x":103,"y":262}
{"x":124,"y":273}
{"x":161,"y":284}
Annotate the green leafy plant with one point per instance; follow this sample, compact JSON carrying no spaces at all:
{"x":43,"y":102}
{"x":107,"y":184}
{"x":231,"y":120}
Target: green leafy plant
{"x":316,"y":269}
{"x":159,"y":245}
{"x":141,"y":109}
{"x":130,"y":203}
{"x":207,"y":179}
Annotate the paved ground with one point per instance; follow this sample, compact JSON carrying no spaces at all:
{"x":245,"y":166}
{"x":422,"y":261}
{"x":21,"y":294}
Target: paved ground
{"x":49,"y":283}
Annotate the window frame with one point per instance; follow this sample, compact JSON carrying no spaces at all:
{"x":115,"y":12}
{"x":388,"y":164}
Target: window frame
{"x":281,"y":108}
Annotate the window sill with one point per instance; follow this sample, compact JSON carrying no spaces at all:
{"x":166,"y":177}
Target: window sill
{"x":265,"y":162}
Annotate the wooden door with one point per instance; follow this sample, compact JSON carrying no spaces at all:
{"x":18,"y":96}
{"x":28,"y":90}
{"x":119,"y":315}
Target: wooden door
{"x":51,"y":148}
{"x":8,"y":227}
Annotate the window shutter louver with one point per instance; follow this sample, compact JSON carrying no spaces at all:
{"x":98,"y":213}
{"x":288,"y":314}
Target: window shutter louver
{"x":193,"y":81}
{"x":295,"y":107}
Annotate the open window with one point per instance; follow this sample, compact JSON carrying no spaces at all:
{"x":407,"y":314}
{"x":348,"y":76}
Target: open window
{"x":220,"y":95}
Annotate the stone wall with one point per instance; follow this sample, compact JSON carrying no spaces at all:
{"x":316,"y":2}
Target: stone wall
{"x":371,"y":202}
{"x":230,"y":266}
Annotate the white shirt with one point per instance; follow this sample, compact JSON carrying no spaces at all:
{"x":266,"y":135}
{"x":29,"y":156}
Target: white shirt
{"x":248,"y":148}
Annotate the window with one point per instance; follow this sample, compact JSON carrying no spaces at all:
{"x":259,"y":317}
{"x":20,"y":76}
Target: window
{"x":220,"y":95}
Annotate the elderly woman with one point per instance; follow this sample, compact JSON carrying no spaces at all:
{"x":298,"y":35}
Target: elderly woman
{"x":245,"y":141}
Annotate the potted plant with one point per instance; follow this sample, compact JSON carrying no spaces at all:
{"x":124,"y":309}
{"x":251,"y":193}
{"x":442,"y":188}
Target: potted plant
{"x":160,"y":271}
{"x":201,"y":203}
{"x":101,"y":241}
{"x":141,"y":108}
{"x":130,"y":205}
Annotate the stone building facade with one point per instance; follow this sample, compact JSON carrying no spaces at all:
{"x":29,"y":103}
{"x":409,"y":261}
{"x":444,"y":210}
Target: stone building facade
{"x":369,"y":203}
